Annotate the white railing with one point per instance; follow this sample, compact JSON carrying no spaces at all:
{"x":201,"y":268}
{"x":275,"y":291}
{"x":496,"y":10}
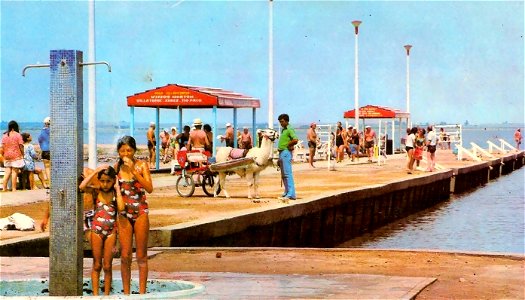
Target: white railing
{"x":325,"y":139}
{"x":501,"y":148}
{"x":493,"y":146}
{"x":476,"y":149}
{"x":452,"y":134}
{"x":462,"y":151}
{"x":505,"y":143}
{"x":380,"y":149}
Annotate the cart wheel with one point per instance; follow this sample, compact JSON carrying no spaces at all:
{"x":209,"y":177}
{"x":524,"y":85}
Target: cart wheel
{"x":185,"y":186}
{"x":208,"y":181}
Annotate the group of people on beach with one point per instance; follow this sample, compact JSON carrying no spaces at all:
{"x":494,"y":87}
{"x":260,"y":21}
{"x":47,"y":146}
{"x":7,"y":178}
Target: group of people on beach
{"x":18,"y":155}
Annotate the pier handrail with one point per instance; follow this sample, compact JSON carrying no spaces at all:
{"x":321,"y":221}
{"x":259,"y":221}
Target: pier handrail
{"x":476,"y":148}
{"x":462,"y":150}
{"x":324,"y":131}
{"x":505,"y":143}
{"x":492,"y":145}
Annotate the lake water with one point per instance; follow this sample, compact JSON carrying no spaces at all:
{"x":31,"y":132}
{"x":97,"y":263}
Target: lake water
{"x":110,"y":135}
{"x":488,"y":219}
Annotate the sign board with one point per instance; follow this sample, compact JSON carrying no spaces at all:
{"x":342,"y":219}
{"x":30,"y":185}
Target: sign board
{"x":175,"y":96}
{"x":172,"y":95}
{"x":373,"y":112}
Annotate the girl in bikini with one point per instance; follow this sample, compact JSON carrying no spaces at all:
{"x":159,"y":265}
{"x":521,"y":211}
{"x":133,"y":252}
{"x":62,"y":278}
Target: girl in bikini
{"x":104,"y":227}
{"x":134,"y":180}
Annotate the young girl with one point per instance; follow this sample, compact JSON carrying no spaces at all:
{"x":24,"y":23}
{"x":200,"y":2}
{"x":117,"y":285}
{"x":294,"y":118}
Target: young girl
{"x":29,"y":156}
{"x":135,"y":180}
{"x":108,"y":203}
{"x":420,"y":145}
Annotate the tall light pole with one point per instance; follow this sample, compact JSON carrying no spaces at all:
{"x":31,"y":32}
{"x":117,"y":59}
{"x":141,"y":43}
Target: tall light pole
{"x":92,"y":101}
{"x":356,"y":74}
{"x":409,"y":122}
{"x":270,"y":66}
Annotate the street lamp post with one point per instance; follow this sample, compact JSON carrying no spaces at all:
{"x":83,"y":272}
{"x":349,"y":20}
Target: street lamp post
{"x":356,"y":74}
{"x":409,"y":122}
{"x":92,"y":104}
{"x":270,"y":65}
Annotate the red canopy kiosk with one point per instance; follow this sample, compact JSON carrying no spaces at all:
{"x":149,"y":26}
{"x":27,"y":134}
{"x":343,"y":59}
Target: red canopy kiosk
{"x":379,"y":112}
{"x":177,"y":96}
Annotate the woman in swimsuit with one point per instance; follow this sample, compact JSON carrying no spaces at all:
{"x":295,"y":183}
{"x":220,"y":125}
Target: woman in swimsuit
{"x":135,"y":180}
{"x":104,"y":226}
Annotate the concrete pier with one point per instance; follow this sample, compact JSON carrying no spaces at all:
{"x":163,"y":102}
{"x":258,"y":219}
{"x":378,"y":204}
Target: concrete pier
{"x":333,"y":206}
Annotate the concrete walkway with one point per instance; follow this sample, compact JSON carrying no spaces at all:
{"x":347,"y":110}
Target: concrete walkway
{"x":228,"y":285}
{"x":160,"y":180}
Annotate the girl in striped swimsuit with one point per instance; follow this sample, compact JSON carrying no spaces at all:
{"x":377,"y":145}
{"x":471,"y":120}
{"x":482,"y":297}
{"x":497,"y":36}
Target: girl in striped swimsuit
{"x":134,"y":180}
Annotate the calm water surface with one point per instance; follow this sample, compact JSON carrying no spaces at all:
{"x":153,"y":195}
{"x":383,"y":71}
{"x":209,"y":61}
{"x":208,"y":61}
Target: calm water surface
{"x":489,"y":219}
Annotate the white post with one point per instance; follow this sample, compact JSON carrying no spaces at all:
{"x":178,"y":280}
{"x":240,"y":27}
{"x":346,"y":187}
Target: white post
{"x":407,"y":47}
{"x":270,"y":66}
{"x":92,"y":101}
{"x":393,"y":135}
{"x":379,"y":144}
{"x":356,"y":74}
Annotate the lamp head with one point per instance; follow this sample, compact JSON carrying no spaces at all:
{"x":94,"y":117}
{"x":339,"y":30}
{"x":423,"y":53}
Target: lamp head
{"x":408,"y":48}
{"x":356,"y":24}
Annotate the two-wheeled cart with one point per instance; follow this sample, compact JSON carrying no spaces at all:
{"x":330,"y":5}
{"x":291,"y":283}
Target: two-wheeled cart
{"x":194,"y":171}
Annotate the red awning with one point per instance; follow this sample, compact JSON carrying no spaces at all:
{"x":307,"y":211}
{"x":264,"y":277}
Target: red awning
{"x":376,"y":112}
{"x":185,"y":96}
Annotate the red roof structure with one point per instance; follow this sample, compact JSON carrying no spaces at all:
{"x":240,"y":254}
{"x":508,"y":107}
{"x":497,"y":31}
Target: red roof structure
{"x":180,"y":97}
{"x":376,"y":112}
{"x":185,"y":96}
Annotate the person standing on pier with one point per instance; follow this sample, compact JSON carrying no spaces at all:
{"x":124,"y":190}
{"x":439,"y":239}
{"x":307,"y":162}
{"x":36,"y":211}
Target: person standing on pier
{"x":228,"y":135}
{"x":174,"y":143}
{"x":370,"y":139}
{"x":246,"y":139}
{"x":43,"y":141}
{"x":13,"y":153}
{"x":311,"y":137}
{"x":286,"y":144}
{"x":134,"y":179}
{"x":517,"y":138}
{"x":150,"y":135}
{"x":431,"y":148}
{"x":103,"y":234}
{"x":209,"y":134}
{"x":165,"y":143}
{"x":409,"y":147}
{"x":198,"y":139}
{"x":419,"y":146}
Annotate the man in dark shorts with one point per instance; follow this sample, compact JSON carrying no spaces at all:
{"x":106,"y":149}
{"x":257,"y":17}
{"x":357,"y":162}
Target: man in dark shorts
{"x":311,"y":136}
{"x":151,"y":142}
{"x":370,"y":137}
{"x":43,"y":141}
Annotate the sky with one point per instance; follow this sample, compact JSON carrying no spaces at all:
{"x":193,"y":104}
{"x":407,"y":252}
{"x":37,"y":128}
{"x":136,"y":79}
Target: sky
{"x":466,"y":64}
